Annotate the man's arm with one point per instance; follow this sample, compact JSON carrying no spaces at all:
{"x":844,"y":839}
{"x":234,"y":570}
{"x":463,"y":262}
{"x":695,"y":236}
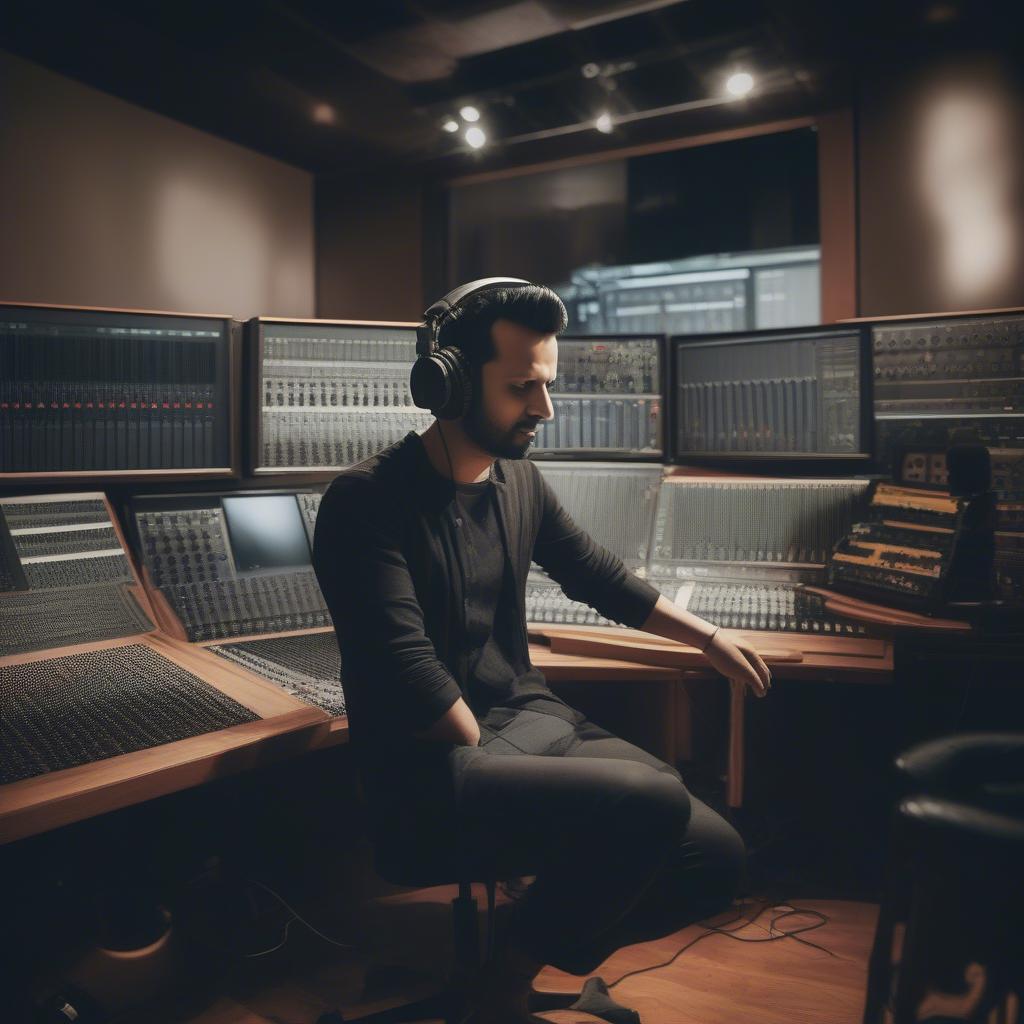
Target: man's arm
{"x":457,"y":725}
{"x":366,"y":582}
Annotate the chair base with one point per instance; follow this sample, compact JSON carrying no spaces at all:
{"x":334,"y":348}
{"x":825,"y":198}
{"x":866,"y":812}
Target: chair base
{"x":451,"y":1004}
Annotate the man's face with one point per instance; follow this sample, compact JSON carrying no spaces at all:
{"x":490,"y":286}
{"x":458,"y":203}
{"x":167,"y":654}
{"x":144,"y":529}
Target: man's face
{"x":514,"y":391}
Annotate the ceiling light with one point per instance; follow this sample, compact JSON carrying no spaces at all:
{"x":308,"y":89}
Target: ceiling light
{"x":475,"y":136}
{"x":591,"y":70}
{"x":739,"y":84}
{"x":451,"y":125}
{"x":324,"y":113}
{"x":604,"y":123}
{"x":469,"y":114}
{"x":939,"y":14}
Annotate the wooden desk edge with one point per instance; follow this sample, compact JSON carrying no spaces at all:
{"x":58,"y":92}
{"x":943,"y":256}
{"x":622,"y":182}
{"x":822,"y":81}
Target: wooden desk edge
{"x":50,"y":801}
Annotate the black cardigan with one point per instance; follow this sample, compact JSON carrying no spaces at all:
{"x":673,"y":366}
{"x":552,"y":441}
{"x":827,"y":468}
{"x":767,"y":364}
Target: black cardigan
{"x":387,"y":556}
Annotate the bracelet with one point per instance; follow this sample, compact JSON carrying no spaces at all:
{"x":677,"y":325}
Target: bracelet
{"x":710,"y":639}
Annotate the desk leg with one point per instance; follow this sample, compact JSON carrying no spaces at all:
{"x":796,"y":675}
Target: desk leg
{"x":734,"y":782}
{"x":668,"y":726}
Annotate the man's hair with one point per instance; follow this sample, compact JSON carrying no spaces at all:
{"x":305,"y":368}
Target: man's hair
{"x":529,"y":305}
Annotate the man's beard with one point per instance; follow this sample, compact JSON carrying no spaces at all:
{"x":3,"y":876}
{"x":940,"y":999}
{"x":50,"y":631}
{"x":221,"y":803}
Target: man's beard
{"x":504,"y":444}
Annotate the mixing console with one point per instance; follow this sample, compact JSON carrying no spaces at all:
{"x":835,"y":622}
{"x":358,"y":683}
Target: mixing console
{"x":733,"y":552}
{"x":240,"y":607}
{"x":760,"y":605}
{"x":65,"y":577}
{"x":306,"y":666}
{"x":79,"y":708}
{"x":233,"y":574}
{"x":615,"y":501}
{"x":719,"y":520}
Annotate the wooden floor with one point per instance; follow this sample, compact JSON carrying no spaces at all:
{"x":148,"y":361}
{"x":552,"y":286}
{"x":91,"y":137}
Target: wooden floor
{"x":719,"y":980}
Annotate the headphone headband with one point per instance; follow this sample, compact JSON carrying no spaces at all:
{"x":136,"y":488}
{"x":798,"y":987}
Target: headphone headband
{"x":426,"y":333}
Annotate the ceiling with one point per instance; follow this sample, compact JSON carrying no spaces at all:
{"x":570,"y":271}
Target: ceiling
{"x":334,"y":86}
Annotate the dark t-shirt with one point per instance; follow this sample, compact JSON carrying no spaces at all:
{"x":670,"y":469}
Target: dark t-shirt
{"x":499,"y":677}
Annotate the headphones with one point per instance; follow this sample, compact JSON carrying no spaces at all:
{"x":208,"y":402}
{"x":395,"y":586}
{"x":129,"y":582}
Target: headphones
{"x":440,"y":378}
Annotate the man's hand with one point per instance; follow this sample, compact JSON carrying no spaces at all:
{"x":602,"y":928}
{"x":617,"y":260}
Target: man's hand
{"x":457,"y":725}
{"x":739,"y":662}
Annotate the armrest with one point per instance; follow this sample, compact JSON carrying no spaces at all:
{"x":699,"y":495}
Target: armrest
{"x":983,"y":769}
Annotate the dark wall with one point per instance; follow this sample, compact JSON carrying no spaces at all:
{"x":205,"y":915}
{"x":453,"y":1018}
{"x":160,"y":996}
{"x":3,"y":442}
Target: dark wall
{"x":369,"y":247}
{"x":941,"y":184}
{"x":106,"y":204}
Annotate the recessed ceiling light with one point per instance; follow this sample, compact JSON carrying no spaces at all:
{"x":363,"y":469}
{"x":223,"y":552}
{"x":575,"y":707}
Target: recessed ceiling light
{"x":591,"y":70}
{"x":324,"y":113}
{"x":739,"y":84}
{"x":604,"y":122}
{"x":451,"y":125}
{"x":475,"y":136}
{"x":469,"y":114}
{"x":940,"y":13}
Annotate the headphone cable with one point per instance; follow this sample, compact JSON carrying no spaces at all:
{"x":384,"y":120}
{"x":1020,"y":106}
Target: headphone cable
{"x":451,"y":471}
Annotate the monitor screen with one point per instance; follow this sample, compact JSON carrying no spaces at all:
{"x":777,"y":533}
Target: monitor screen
{"x":105,"y":392}
{"x":266,"y":532}
{"x":770,"y":394}
{"x":331,"y":394}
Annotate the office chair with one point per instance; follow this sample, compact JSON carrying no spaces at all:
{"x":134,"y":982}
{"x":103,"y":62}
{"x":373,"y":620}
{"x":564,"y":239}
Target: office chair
{"x":953,"y":886}
{"x":424,"y":867}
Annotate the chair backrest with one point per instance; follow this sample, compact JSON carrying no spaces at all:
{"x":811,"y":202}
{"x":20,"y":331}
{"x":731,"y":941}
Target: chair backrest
{"x":954,"y":880}
{"x":965,"y":906}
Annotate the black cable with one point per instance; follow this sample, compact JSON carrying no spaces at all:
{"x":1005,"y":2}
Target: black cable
{"x":295,"y":916}
{"x":721,"y":930}
{"x":451,"y":471}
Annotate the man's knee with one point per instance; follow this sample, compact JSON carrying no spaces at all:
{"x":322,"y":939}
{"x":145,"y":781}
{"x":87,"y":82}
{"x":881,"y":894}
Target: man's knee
{"x":657,"y":798}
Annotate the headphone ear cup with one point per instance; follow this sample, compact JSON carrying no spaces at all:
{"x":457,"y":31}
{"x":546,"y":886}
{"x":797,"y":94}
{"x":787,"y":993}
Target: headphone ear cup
{"x":457,"y":385}
{"x":428,"y":383}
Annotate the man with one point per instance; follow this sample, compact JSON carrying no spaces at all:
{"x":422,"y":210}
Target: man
{"x":467,"y":756}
